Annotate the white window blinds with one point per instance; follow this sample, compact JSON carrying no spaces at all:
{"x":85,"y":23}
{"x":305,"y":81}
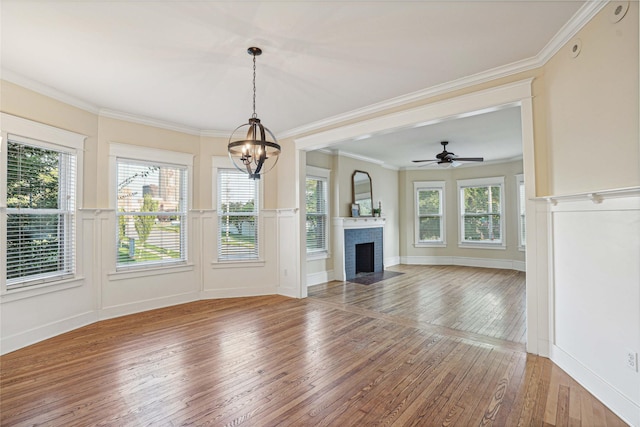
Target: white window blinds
{"x":151,"y":213}
{"x":317,"y":214}
{"x":238,"y":216}
{"x":41,"y":207}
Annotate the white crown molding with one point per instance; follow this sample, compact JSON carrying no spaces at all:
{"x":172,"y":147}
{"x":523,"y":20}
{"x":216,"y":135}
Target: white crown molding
{"x":45,"y":90}
{"x":579,"y":19}
{"x":216,"y":134}
{"x":380,"y":163}
{"x":568,"y":30}
{"x":421,"y":95}
{"x":148,"y":121}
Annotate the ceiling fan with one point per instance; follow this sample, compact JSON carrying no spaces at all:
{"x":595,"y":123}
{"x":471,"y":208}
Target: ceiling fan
{"x":448,"y":158}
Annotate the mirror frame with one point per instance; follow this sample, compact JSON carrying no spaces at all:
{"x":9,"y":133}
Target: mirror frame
{"x":353,"y":191}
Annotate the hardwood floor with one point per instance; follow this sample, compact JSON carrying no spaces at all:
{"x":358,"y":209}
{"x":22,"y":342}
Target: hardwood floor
{"x":482,"y":301}
{"x":267,"y":361}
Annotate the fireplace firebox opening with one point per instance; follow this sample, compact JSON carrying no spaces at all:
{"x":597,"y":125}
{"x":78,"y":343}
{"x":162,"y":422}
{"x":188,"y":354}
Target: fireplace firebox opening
{"x":364,"y":258}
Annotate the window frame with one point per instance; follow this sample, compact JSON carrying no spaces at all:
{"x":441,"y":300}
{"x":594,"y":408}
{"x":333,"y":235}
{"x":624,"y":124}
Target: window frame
{"x":439,"y":186}
{"x":324,"y":175}
{"x":521,"y":212}
{"x":220,"y":162}
{"x":152,"y":156}
{"x":31,"y":133}
{"x":497,"y":181}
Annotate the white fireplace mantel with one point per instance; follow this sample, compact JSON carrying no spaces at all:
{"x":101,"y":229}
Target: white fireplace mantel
{"x":344,"y":223}
{"x":358,"y":222}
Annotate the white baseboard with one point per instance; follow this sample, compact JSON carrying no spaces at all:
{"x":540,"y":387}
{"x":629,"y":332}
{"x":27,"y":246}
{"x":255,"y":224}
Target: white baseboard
{"x":320,"y":277}
{"x":41,"y":333}
{"x":621,"y":405}
{"x":287,"y":292}
{"x":140,"y":306}
{"x":394,"y":260}
{"x":505,"y":264}
{"x":237,"y":292}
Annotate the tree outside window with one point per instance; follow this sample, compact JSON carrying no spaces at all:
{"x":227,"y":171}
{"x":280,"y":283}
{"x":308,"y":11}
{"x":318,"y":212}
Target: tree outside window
{"x":151,"y":213}
{"x":40,"y":213}
{"x":238,"y":216}
{"x":482,"y":211}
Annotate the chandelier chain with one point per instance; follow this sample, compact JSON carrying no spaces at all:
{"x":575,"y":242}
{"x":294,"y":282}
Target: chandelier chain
{"x":254,"y":86}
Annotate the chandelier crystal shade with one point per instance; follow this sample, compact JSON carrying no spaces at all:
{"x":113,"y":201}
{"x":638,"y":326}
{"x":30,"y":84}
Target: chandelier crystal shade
{"x":253,"y":148}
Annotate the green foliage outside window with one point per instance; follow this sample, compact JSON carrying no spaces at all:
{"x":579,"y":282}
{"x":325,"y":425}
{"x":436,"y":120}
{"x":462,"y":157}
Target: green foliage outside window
{"x":482,"y":213}
{"x":38,"y":219}
{"x":144,"y":223}
{"x":429,"y":213}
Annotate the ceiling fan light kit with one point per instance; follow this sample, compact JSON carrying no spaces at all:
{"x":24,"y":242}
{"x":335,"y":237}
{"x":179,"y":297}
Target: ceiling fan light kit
{"x":449,"y":159}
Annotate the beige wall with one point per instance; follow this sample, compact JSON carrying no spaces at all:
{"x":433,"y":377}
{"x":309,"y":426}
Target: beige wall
{"x":384,"y":184}
{"x":450,"y":176}
{"x":27,"y":104}
{"x":592,"y":108}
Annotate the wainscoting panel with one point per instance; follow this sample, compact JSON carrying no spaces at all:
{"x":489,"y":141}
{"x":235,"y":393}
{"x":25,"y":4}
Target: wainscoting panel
{"x":288,"y":253}
{"x":596,"y":295}
{"x":36,"y":313}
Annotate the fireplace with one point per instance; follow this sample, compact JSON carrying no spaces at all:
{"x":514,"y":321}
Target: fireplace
{"x":364,"y":258}
{"x":371,"y":241}
{"x":350,"y":233}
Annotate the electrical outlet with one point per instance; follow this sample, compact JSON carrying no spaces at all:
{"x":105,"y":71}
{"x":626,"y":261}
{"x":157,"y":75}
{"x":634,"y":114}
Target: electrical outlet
{"x":632,"y":360}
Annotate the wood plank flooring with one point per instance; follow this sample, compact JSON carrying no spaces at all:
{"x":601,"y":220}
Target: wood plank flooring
{"x":482,"y":301}
{"x":276,"y":361}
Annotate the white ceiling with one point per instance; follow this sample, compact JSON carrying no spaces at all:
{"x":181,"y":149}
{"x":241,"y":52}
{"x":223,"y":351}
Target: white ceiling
{"x":496,"y":136}
{"x":185,"y":62}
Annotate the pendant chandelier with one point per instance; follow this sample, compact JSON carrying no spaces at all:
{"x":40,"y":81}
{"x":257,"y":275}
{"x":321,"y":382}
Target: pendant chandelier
{"x":253,"y":149}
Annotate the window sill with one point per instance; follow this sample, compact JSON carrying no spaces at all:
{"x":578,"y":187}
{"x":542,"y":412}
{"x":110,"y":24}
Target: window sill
{"x":253,"y":263}
{"x":495,"y":246}
{"x":522,"y":248}
{"x":318,"y":255}
{"x":430,"y":245}
{"x":133,"y":273}
{"x":40,"y":289}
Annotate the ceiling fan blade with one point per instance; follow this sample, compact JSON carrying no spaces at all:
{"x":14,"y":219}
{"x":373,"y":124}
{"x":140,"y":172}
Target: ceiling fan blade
{"x":455,"y":163}
{"x":420,"y":161}
{"x":470,"y":159}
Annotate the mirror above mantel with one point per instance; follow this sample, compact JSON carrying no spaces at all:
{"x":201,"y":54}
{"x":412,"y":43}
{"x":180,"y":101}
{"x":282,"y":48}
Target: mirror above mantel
{"x":362,"y":192}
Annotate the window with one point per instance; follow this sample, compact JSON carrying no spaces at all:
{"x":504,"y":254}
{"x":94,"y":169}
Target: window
{"x":317,"y":226}
{"x":481,"y":212}
{"x":522,"y":241}
{"x":238,"y":216}
{"x":151,"y":207}
{"x":41,"y":201}
{"x":429,"y":219}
